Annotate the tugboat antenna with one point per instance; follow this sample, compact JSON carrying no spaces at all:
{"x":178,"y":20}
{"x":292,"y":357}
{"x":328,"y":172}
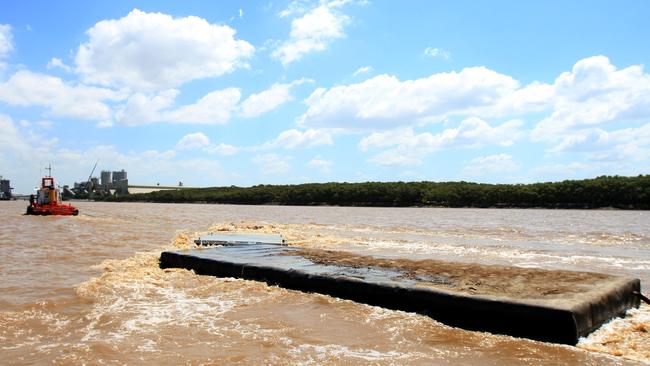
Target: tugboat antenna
{"x":49,"y":170}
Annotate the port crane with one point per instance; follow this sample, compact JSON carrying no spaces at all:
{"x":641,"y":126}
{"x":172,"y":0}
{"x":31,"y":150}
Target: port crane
{"x":88,"y":183}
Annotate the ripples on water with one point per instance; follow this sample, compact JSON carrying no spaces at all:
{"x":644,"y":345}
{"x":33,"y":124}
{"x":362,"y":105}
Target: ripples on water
{"x":88,"y":289}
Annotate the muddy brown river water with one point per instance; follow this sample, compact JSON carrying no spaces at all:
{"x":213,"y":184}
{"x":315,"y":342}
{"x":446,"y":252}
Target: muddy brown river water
{"x":88,"y":290}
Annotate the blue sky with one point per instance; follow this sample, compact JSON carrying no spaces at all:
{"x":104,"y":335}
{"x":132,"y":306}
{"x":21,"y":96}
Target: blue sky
{"x":245,"y":93}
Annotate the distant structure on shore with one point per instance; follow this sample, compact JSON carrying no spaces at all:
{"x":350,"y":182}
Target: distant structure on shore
{"x":119,"y":176}
{"x":108,"y":184}
{"x":105,"y":177}
{"x":112,"y":183}
{"x":5,"y":189}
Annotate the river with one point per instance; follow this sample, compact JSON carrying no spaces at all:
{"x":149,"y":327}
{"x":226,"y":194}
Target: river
{"x":88,"y":289}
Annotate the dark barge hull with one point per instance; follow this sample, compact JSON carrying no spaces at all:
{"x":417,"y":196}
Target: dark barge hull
{"x":560,"y":322}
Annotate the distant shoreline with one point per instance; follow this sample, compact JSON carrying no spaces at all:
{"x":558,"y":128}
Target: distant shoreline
{"x":608,"y":208}
{"x":606,"y":192}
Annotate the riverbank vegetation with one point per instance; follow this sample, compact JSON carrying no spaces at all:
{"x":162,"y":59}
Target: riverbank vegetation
{"x":600,"y":192}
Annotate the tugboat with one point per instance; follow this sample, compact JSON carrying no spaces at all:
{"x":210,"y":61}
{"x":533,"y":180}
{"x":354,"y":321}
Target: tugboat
{"x":47,"y":200}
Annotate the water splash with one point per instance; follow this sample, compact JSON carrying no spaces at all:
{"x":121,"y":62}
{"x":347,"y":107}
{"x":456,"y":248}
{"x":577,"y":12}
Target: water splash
{"x":628,"y":337}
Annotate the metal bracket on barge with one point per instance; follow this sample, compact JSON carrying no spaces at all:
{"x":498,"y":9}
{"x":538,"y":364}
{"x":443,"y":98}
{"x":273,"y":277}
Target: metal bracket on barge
{"x":239,"y":239}
{"x":554,"y":318}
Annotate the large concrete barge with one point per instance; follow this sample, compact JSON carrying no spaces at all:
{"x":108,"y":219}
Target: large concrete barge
{"x":551,"y":306}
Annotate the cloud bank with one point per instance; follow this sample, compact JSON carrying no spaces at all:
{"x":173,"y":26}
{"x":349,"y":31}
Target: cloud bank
{"x":154,"y":51}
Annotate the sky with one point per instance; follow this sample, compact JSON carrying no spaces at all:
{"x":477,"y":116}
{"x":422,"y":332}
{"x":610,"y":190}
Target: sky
{"x":213,"y":93}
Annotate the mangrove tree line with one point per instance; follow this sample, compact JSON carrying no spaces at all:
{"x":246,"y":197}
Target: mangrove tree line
{"x":605,"y":191}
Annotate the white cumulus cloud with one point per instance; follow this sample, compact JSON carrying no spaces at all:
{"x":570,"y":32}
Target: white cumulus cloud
{"x":214,"y":108}
{"x":193,"y":141}
{"x":199,"y":141}
{"x":408,"y":148}
{"x":626,"y":144}
{"x":574,"y":113}
{"x":6,"y":40}
{"x":58,"y":63}
{"x":153,"y":51}
{"x":269,"y":99}
{"x":437,"y":52}
{"x":11,"y":140}
{"x":143,"y":108}
{"x":312,"y":32}
{"x":26,"y":88}
{"x":384,"y":102}
{"x":594,"y":93}
{"x":289,"y":139}
{"x":323,"y":165}
{"x":293,"y":138}
{"x":484,"y":165}
{"x":271,"y":164}
{"x":223,"y":149}
{"x":293,"y":8}
{"x":363,"y":70}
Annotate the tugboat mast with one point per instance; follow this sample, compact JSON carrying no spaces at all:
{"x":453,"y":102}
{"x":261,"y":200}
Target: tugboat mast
{"x":49,"y":170}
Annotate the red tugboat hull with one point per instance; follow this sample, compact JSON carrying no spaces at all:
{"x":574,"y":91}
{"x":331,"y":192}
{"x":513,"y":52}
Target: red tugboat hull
{"x":47,"y":200}
{"x":59,"y":210}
